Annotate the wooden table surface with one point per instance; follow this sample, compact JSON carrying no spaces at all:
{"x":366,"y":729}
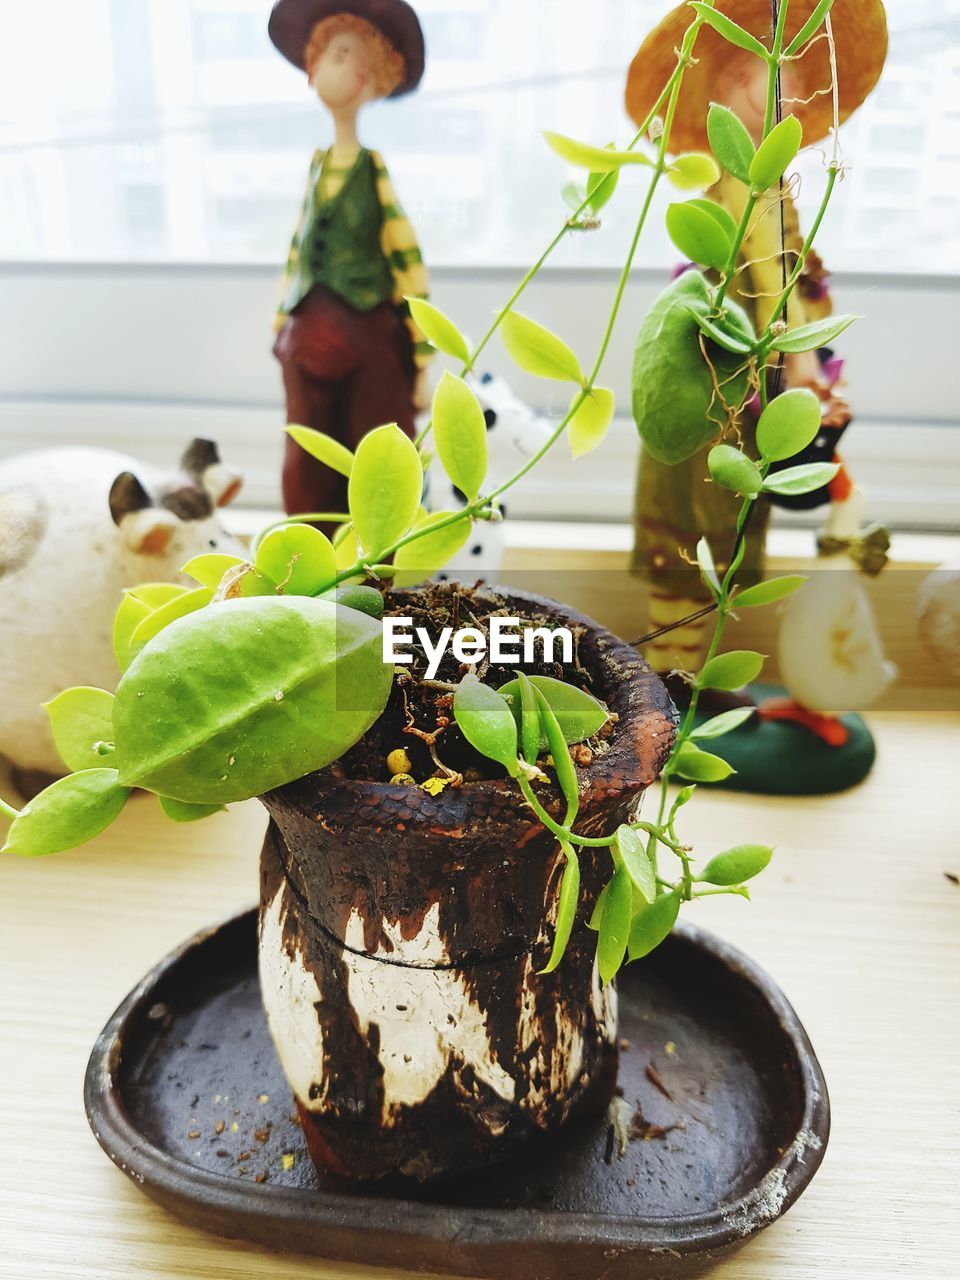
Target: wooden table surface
{"x":855,"y":919}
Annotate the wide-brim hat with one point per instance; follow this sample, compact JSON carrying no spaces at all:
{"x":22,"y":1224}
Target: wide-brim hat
{"x":859,"y":32}
{"x":292,"y":22}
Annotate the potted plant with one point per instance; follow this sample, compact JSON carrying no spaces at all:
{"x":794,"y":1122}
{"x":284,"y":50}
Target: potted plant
{"x":456,"y":867}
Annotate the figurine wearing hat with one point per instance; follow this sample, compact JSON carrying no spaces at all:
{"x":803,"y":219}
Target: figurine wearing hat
{"x":351,"y":355}
{"x":676,"y":505}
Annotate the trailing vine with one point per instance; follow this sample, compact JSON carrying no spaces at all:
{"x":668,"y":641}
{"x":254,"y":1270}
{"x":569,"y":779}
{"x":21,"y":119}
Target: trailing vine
{"x":302,"y":635}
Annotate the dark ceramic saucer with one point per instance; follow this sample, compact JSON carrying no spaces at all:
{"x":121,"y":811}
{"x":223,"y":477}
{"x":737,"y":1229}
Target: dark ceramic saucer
{"x":723,"y":1122}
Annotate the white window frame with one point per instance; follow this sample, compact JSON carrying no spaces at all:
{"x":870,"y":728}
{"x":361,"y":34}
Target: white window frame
{"x":142,"y":357}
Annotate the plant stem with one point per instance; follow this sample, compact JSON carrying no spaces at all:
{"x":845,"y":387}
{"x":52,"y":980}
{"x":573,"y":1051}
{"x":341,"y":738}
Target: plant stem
{"x":740,"y":545}
{"x":739,"y":890}
{"x":670,"y":90}
{"x":832,"y":177}
{"x":776,"y":59}
{"x":561,"y":832}
{"x":593,"y":842}
{"x":8,"y":811}
{"x":730,"y":270}
{"x":763,"y":347}
{"x":313,"y":517}
{"x":773,"y":76}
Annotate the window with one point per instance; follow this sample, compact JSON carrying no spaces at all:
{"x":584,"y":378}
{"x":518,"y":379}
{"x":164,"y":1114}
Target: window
{"x":198,"y":85}
{"x":152,"y":161}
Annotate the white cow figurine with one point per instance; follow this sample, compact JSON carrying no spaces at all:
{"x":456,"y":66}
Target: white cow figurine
{"x":78,"y":527}
{"x":515,"y":432}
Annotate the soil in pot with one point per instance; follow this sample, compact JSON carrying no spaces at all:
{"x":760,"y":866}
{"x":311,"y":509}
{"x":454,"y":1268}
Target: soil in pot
{"x":403,"y":929}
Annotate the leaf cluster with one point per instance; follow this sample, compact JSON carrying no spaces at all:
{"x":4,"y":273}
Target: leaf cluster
{"x":270,"y":666}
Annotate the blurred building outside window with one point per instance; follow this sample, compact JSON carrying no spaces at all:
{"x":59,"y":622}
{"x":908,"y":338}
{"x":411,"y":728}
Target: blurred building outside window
{"x":153,"y":155}
{"x":171,"y":131}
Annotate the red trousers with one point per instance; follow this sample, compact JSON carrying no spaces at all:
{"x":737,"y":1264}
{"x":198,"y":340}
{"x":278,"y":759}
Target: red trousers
{"x":344,"y":373}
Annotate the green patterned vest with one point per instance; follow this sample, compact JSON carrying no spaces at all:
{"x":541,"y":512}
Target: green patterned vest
{"x":339,"y":245}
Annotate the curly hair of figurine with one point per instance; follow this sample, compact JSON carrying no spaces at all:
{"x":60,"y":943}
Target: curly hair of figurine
{"x":387,"y":65}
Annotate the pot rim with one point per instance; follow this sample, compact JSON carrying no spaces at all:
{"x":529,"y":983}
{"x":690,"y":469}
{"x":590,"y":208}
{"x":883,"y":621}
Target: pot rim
{"x":638,"y":746}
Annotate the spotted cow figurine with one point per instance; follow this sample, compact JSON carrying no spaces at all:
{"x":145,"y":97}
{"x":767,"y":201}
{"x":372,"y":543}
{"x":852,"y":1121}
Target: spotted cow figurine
{"x":77,"y":527}
{"x":513,"y":427}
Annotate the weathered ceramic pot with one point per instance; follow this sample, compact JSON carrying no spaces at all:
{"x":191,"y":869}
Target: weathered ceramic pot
{"x":401,"y":938}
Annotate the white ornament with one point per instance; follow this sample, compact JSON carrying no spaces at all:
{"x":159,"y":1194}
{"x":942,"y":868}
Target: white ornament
{"x":78,"y":527}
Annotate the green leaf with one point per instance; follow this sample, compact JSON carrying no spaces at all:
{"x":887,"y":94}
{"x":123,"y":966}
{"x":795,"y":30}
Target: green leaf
{"x":579,"y":714}
{"x":743,"y":862}
{"x":653,"y":925}
{"x":208,"y":570}
{"x":177,"y":811}
{"x":68,"y":813}
{"x":693,"y":171}
{"x":439,"y":329}
{"x":158,"y":619}
{"x":698,"y":235}
{"x":298,"y":558}
{"x":591,"y":422}
{"x":562,"y":763}
{"x":788,"y":424}
{"x":735,"y":322}
{"x":699,"y":766}
{"x":250,"y":582}
{"x":615,"y":925}
{"x":725,"y":722}
{"x":486,"y":722}
{"x":538,"y":351}
{"x":136,"y":604}
{"x":420,"y":559}
{"x":573,"y":195}
{"x":675,"y":405}
{"x":586,"y":156}
{"x":600,"y":188}
{"x":324,"y":448}
{"x":730,"y":31}
{"x":233,"y":701}
{"x":385,"y":488}
{"x":130,"y":613}
{"x":734,"y":470}
{"x":803,"y":479}
{"x":730,"y":141}
{"x":633,"y":855}
{"x":708,"y":570}
{"x":597,"y":914}
{"x":778,"y":150}
{"x":811,"y":337}
{"x":768,"y":592}
{"x":566,"y":907}
{"x":155,"y":594}
{"x":683,"y":796}
{"x":729,"y":326}
{"x":346,"y":546}
{"x":79,"y":719}
{"x":367,"y":600}
{"x":731,"y":670}
{"x":716,"y":329}
{"x":812,"y":25}
{"x":530,"y":727}
{"x":460,"y":431}
{"x":718,"y":213}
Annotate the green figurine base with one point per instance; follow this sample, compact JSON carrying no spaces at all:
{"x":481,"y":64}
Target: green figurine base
{"x":780,"y":758}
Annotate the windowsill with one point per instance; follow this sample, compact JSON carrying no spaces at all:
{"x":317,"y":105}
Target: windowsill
{"x":587,"y":566}
{"x":919,"y":550}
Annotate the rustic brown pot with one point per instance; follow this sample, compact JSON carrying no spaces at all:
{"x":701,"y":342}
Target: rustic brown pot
{"x":401,"y":935}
